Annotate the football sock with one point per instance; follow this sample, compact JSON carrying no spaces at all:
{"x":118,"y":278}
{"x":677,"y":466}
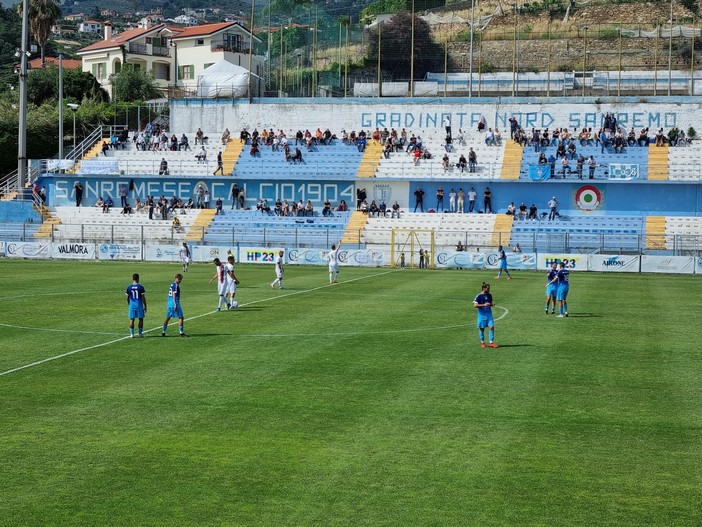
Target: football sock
{"x":141,"y":331}
{"x":491,"y":332}
{"x":131,"y":331}
{"x":181,"y":329}
{"x":165,"y":327}
{"x":565,"y":306}
{"x":221,"y":301}
{"x":331,"y":277}
{"x":482,"y":335}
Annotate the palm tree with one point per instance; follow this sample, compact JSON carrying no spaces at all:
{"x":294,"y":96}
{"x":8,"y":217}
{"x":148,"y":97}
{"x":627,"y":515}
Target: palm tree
{"x":42,"y":15}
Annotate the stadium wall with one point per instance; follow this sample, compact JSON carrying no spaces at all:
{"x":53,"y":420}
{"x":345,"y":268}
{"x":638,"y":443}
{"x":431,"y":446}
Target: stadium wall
{"x":425,"y":114}
{"x":616,"y":197}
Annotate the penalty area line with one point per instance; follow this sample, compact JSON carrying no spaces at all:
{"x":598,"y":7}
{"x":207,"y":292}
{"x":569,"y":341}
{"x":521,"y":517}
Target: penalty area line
{"x":127,"y":337}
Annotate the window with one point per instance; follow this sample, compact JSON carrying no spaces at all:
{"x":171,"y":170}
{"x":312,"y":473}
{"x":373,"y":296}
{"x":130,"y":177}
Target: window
{"x":208,"y":64}
{"x":186,"y":73}
{"x":99,"y":70}
{"x":200,"y":42}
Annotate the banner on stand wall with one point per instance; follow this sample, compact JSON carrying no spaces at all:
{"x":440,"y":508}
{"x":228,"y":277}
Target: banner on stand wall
{"x":28,"y":250}
{"x":73,"y":251}
{"x":614,"y":264}
{"x":514,"y":260}
{"x":307,"y":256}
{"x":2,"y":248}
{"x":698,"y":266}
{"x":668,"y":264}
{"x":573,"y":262}
{"x":207,"y":253}
{"x":119,"y":251}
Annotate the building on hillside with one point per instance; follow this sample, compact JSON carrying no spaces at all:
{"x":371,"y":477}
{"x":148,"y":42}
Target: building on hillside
{"x":90,"y":26}
{"x":175,"y":55}
{"x":185,"y":20}
{"x":75,"y":17}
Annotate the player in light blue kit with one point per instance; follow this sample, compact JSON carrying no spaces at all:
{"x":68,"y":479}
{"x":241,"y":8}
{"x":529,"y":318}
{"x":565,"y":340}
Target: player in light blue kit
{"x":503,"y":264}
{"x":563,"y":287}
{"x":483,"y":303}
{"x":551,"y":288}
{"x":174,"y":309}
{"x":136,"y":300}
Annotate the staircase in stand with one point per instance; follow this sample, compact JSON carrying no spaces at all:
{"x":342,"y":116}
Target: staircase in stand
{"x":49,"y":220}
{"x":370,"y":161}
{"x":352,"y":234}
{"x":512,"y":161}
{"x":203,"y":220}
{"x":230,"y":156}
{"x":503,"y":230}
{"x":658,"y":162}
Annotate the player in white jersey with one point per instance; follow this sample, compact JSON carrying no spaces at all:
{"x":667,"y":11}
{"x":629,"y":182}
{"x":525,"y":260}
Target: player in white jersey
{"x":279,"y":270}
{"x":232,"y":282}
{"x":221,"y":275}
{"x":334,"y":263}
{"x":184,"y":255}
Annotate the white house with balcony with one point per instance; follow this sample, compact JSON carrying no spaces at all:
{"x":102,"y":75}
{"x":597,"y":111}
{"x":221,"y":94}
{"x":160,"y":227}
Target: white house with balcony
{"x":175,"y":55}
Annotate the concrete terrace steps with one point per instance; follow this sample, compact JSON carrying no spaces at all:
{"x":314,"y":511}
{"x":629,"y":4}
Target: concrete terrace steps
{"x":502,"y":229}
{"x":196,"y":232}
{"x":47,"y":226}
{"x":357,"y":222}
{"x":370,"y":161}
{"x":512,"y":160}
{"x":658,"y":162}
{"x":655,"y":232}
{"x":230,"y":156}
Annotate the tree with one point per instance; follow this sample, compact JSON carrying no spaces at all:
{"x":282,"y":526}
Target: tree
{"x":42,"y":15}
{"x":42,"y":86}
{"x":134,"y":84}
{"x":396,"y":42}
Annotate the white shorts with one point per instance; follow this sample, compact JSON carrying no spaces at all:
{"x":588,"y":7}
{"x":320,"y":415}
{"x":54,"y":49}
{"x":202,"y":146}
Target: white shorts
{"x":186,"y":260}
{"x":222,"y":288}
{"x":279,"y":275}
{"x":333,"y":268}
{"x":231,"y":287}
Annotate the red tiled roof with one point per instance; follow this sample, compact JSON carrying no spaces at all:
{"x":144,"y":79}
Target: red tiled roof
{"x":120,"y":38}
{"x":68,"y":64}
{"x":206,"y":29}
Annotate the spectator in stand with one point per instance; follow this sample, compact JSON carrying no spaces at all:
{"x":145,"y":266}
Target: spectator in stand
{"x":553,"y":209}
{"x":511,"y":209}
{"x":472,"y":160}
{"x":253,"y":151}
{"x":163,"y":168}
{"x":631,"y":138}
{"x":342,"y":206}
{"x":460,"y":201}
{"x":373,"y":209}
{"x":382,"y":208}
{"x":364,"y":207}
{"x":419,"y":199}
{"x":225,"y":137}
{"x":472,"y":196}
{"x":439,"y":199}
{"x":201,"y":156}
{"x":278,"y":207}
{"x":220,"y":164}
{"x":309,"y":209}
{"x":244,"y":136}
{"x":522,"y":215}
{"x":462,"y":163}
{"x":490,"y":138}
{"x":487,"y":201}
{"x":218,"y":206}
{"x":417,"y":154}
{"x":552,"y":164}
{"x":533,"y":211}
{"x":107,"y":204}
{"x":643,"y":137}
{"x":395,"y":210}
{"x":445,"y":162}
{"x":498,"y":137}
{"x":100,"y":202}
{"x":579,"y":166}
{"x":184,"y":144}
{"x":327,"y":210}
{"x":297,"y":158}
{"x":460,"y":247}
{"x":591,"y":166}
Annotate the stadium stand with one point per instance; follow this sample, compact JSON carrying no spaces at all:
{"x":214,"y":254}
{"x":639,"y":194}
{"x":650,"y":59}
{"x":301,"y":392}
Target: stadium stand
{"x":91,"y":224}
{"x":684,"y":163}
{"x":253,"y":227}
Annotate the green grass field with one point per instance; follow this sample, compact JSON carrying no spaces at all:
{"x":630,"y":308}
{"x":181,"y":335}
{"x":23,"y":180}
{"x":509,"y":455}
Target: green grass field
{"x":367,"y":403}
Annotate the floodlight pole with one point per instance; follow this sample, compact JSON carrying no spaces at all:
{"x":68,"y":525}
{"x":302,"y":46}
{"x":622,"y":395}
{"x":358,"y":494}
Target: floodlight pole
{"x":22,"y":139}
{"x":60,"y":94}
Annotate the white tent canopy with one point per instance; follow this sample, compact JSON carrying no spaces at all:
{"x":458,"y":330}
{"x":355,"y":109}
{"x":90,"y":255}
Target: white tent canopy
{"x":224,"y":79}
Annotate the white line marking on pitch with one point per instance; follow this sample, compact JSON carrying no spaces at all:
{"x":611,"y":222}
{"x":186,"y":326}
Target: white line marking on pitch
{"x":126,"y":337}
{"x":13,"y":326}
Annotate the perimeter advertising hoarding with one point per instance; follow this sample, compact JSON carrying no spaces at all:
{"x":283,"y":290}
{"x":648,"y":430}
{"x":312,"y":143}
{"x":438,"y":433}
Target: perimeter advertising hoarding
{"x":162,"y":253}
{"x":2,"y":248}
{"x":258,"y":255}
{"x":352,"y":257}
{"x":73,"y":251}
{"x":119,"y":251}
{"x":668,"y":264}
{"x":28,"y":250}
{"x":614,"y":263}
{"x":573,"y":262}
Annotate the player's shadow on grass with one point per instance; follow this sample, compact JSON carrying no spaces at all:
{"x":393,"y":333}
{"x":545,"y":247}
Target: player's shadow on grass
{"x":584,"y":315}
{"x":515,"y":346}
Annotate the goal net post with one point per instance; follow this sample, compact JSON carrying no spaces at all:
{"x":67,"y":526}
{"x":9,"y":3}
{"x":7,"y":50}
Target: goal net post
{"x":412,"y":248}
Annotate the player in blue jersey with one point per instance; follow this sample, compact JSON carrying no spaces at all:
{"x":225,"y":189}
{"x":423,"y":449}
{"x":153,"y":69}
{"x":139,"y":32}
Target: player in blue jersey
{"x":562,"y":294}
{"x":136,"y":300}
{"x":174,"y":309}
{"x":483,"y":303}
{"x":503,"y":264}
{"x":551,"y":288}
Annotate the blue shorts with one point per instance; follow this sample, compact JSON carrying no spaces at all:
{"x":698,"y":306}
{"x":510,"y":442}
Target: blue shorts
{"x":486,"y":322}
{"x":562,"y":293}
{"x":136,"y":312}
{"x":174,"y":312}
{"x":503,"y":264}
{"x":551,"y":290}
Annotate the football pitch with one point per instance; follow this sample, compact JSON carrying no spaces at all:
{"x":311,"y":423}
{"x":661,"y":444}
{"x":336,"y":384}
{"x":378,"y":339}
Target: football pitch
{"x":365,"y":403}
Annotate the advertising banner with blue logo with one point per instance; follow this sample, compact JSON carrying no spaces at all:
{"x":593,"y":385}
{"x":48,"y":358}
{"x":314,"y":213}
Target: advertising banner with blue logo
{"x":73,"y":251}
{"x":615,"y":263}
{"x":698,"y":266}
{"x":537,"y":172}
{"x":668,"y":264}
{"x":28,"y":250}
{"x":119,"y":251}
{"x":623,"y":171}
{"x":514,"y":260}
{"x":573,"y":262}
